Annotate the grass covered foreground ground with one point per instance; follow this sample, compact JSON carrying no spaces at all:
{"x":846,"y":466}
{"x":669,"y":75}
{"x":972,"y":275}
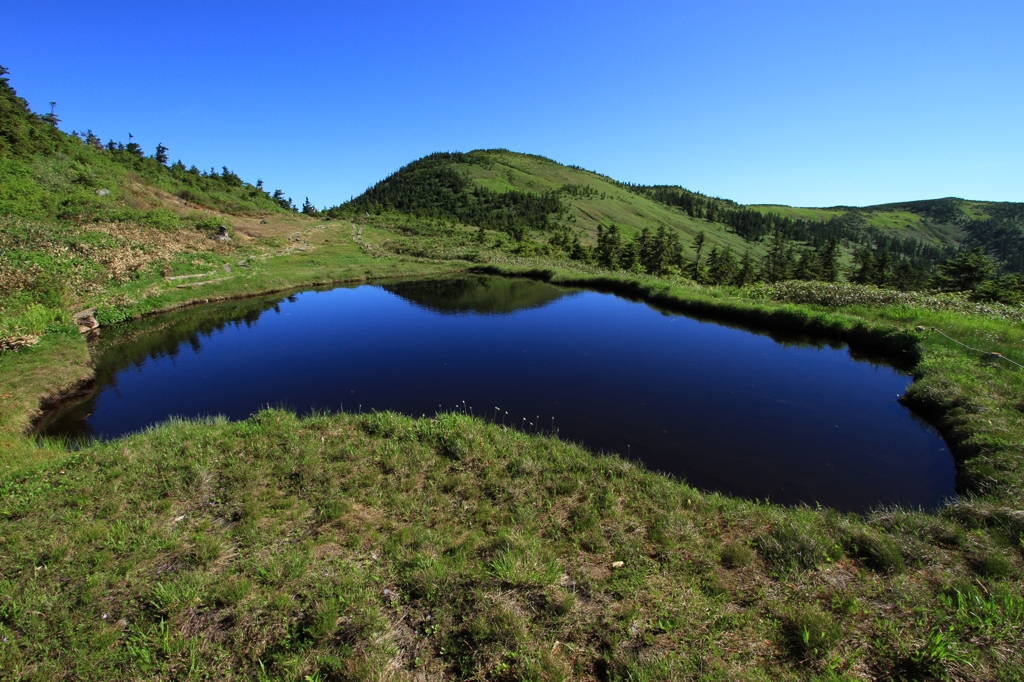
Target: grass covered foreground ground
{"x":383,"y":547}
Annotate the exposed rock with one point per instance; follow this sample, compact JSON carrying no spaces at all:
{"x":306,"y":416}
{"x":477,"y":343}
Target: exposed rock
{"x":201,"y":274}
{"x":200,"y":284}
{"x":86,"y":320}
{"x":103,"y":191}
{"x":222,"y":234}
{"x":227,"y":268}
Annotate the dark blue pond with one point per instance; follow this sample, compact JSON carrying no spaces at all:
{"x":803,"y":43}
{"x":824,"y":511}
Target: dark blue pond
{"x":723,"y":408}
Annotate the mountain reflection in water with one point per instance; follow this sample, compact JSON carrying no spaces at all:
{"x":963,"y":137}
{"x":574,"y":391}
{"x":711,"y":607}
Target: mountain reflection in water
{"x":789,"y":419}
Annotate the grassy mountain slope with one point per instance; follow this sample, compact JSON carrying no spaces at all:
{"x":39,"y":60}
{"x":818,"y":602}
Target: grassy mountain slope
{"x":83,"y":223}
{"x":502,"y":190}
{"x":938,"y":221}
{"x":587,"y":199}
{"x":46,"y":174}
{"x":592,"y":199}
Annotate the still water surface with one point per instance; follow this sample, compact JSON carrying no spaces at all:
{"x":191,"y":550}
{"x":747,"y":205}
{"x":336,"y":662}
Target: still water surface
{"x":726,"y":409}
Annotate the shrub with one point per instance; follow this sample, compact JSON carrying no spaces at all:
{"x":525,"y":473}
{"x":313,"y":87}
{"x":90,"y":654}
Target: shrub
{"x":205,"y":222}
{"x":836,"y":295}
{"x":162,"y":219}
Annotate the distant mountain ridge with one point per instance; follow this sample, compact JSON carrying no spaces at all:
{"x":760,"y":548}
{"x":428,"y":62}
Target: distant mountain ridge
{"x":509,"y":191}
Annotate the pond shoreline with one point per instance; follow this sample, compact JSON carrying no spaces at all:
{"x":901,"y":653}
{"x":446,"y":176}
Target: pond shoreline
{"x":917,"y":471}
{"x":898,"y":346}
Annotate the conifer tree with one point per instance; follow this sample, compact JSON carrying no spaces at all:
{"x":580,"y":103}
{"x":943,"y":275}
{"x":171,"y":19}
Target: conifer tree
{"x":134,"y":148}
{"x":674,"y":253}
{"x":652,"y":250}
{"x":51,"y":117}
{"x":747,"y":272}
{"x":864,"y":262}
{"x":698,"y":245}
{"x":609,"y":246}
{"x":883,"y":266}
{"x":779,"y":263}
{"x":828,"y":258}
{"x":906,"y":277}
{"x":628,"y":256}
{"x":578,"y":252}
{"x":722,"y":265}
{"x":964,"y":272}
{"x":808,"y":268}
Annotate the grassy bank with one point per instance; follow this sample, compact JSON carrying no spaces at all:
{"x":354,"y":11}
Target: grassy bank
{"x":378,"y":546}
{"x":382,"y":547}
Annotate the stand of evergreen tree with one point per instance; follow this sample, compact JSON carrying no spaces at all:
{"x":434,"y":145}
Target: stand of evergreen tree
{"x":850,"y":229}
{"x":1002,"y":235}
{"x":661,"y":253}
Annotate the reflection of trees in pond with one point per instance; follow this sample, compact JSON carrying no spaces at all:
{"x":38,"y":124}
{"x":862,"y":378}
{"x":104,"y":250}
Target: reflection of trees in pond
{"x":863,"y":347}
{"x":131,"y":344}
{"x":478,"y":294}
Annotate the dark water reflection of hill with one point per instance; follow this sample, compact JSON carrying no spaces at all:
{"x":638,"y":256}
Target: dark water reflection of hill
{"x":477,"y":294}
{"x":761,"y":415}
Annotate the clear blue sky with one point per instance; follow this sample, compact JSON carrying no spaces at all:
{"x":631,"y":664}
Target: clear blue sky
{"x":804,"y":103}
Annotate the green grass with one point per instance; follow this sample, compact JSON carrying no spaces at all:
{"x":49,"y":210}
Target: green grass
{"x":341,"y":546}
{"x":799,"y":213}
{"x":69,"y":185}
{"x":508,"y":171}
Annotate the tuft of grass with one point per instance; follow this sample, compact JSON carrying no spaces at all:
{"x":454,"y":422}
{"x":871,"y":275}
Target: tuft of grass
{"x":876,"y":551}
{"x":522,"y":562}
{"x":993,"y":564}
{"x":811,"y":633}
{"x":737,"y":555}
{"x":797,"y":542}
